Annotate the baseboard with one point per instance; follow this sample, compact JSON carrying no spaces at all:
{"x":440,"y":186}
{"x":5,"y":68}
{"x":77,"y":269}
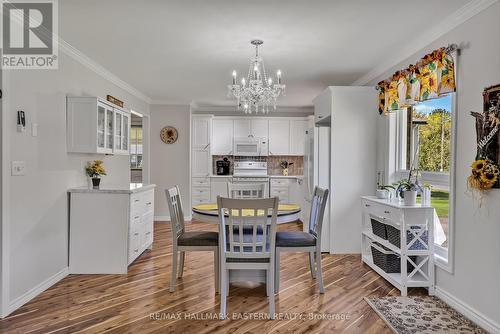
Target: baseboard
{"x":167,"y":218}
{"x":469,"y":312}
{"x":29,"y":295}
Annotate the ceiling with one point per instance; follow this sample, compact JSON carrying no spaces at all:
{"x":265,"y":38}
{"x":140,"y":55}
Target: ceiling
{"x":184,"y":51}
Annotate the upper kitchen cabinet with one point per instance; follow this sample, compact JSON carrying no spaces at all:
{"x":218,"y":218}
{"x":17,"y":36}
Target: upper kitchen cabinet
{"x":202,"y":131}
{"x":298,"y":130}
{"x":245,"y":127}
{"x":222,"y":138}
{"x":95,"y":126}
{"x":279,"y":137}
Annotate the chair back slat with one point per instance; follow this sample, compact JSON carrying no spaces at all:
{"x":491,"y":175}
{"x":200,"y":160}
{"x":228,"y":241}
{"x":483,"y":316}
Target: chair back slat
{"x":246,"y":190}
{"x":240,"y":220}
{"x":174,"y":202}
{"x":318,"y":205}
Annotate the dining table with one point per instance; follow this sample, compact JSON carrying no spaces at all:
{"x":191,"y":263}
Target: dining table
{"x":247,"y":278}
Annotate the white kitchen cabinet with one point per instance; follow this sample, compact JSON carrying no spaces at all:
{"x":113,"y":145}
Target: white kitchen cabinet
{"x":121,"y":132}
{"x":109,"y":228}
{"x":255,"y":127}
{"x":93,"y":125}
{"x":279,"y":137}
{"x":298,"y":130}
{"x":201,"y":130}
{"x":222,"y":138}
{"x":218,"y":187}
{"x":201,"y":162}
{"x":242,"y":127}
{"x":280,"y":187}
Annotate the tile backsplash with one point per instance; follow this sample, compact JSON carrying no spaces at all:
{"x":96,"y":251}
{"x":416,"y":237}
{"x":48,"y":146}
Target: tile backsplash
{"x":273,"y":163}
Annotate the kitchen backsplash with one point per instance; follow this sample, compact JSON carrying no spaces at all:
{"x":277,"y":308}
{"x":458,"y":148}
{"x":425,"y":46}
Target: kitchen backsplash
{"x":273,"y":163}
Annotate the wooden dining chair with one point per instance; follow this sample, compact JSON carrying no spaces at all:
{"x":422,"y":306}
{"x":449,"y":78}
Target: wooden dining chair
{"x":242,"y":250}
{"x":246,"y":190}
{"x":310,"y":242}
{"x":183,"y":241}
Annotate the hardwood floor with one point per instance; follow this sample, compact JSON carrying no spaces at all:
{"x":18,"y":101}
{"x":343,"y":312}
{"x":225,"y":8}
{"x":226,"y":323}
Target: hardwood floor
{"x":140,"y":302}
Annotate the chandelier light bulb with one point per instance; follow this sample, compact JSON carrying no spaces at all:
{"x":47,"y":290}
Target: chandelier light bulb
{"x":270,"y":81}
{"x":278,"y":74}
{"x":234,"y":77}
{"x":243,"y":82}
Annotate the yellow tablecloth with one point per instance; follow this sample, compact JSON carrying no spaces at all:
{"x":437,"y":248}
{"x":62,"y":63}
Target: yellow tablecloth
{"x":246,"y":212}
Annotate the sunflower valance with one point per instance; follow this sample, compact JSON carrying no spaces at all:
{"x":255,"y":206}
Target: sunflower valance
{"x":431,"y":77}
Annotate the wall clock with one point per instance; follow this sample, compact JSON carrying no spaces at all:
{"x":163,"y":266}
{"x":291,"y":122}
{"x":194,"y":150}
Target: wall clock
{"x":169,"y":135}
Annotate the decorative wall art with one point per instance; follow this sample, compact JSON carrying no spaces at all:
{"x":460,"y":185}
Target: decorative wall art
{"x":485,"y":169}
{"x":433,"y":76}
{"x":169,"y":135}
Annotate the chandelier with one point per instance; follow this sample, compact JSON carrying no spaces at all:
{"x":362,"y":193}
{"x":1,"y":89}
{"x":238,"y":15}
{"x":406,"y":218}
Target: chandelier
{"x":257,"y":92}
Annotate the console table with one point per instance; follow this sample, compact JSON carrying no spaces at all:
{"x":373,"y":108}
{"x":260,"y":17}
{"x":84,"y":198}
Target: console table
{"x":415,"y":226}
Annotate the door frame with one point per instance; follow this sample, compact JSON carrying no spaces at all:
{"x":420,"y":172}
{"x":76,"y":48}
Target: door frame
{"x":146,"y":147}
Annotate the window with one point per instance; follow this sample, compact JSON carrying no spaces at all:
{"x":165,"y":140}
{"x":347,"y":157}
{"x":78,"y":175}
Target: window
{"x":425,"y":143}
{"x":136,"y":147}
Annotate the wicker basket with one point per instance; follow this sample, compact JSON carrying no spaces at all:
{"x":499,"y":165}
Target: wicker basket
{"x":379,"y":229}
{"x":387,"y":260}
{"x":394,"y":237}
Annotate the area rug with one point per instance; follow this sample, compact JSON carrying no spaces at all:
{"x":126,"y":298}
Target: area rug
{"x":421,"y":314}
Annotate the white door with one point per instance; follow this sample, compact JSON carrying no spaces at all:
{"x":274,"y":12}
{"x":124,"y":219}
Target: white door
{"x":279,"y":137}
{"x":201,"y":163}
{"x":201,"y":130}
{"x":260,"y":127}
{"x":222,"y":143}
{"x":298,"y":130}
{"x":242,"y":128}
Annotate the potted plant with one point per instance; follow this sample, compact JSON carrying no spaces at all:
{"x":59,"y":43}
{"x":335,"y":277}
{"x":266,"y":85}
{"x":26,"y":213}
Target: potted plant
{"x":384,"y":191}
{"x":284,"y":167}
{"x":94,"y":170}
{"x":407,"y":190}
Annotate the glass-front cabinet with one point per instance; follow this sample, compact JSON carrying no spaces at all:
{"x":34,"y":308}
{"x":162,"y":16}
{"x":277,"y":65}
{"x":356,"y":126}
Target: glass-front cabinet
{"x":122,"y":131}
{"x":96,"y":126}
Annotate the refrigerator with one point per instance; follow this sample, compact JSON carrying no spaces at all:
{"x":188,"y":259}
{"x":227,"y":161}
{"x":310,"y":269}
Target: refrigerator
{"x":317,"y":173}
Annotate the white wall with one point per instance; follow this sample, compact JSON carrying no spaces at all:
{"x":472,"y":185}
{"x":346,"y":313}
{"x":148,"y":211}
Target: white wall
{"x":37,"y":222}
{"x":170,"y":163}
{"x":477,"y":231}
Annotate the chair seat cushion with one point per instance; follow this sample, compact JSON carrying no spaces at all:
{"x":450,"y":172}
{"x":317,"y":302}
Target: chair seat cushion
{"x":294,"y":239}
{"x":198,"y":238}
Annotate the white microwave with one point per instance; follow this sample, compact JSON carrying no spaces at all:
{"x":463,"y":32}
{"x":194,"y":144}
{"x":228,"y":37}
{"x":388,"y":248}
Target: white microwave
{"x":251,"y":146}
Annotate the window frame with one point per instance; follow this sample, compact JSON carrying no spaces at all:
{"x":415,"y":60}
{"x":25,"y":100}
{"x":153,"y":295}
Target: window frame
{"x":136,"y":144}
{"x":443,"y":257}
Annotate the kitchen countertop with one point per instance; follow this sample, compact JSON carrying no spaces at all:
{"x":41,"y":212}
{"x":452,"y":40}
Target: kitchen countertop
{"x":133,"y":188}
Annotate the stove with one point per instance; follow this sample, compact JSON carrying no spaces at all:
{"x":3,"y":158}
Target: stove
{"x":251,"y":172}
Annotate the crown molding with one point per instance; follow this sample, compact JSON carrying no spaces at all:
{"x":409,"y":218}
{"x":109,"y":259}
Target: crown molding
{"x":449,"y":23}
{"x":279,"y":109}
{"x":86,"y":61}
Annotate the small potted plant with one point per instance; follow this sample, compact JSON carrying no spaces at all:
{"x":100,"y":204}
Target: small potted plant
{"x":284,"y":167}
{"x":384,"y":191}
{"x":407,"y":190}
{"x":94,"y":170}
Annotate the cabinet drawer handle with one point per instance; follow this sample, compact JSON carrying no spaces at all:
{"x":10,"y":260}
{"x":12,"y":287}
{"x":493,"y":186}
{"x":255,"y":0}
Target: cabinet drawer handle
{"x":136,"y":233}
{"x":387,"y":212}
{"x":137,"y":217}
{"x":136,"y":250}
{"x":148,"y":233}
{"x":367,"y":205}
{"x":136,"y":200}
{"x":148,"y":203}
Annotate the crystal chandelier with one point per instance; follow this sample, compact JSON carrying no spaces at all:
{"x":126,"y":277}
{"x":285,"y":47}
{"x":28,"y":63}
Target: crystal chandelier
{"x":257,"y":92}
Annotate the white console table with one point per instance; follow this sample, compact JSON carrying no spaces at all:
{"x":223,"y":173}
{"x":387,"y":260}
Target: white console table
{"x":411,"y":221}
{"x":109,"y":228}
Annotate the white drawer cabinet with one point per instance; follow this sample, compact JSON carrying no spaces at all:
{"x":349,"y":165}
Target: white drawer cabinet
{"x":109,"y":228}
{"x":200,"y":190}
{"x":281,"y":188}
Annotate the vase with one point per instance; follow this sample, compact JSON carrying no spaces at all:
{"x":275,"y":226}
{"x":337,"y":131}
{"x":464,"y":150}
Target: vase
{"x":95,"y":182}
{"x":285,"y":171}
{"x":382,"y":193}
{"x":410,"y":197}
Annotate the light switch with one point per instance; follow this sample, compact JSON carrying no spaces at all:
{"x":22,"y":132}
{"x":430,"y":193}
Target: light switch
{"x":18,"y":168}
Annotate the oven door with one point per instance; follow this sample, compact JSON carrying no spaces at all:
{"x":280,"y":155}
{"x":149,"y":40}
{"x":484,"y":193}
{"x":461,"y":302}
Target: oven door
{"x":246,"y":147}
